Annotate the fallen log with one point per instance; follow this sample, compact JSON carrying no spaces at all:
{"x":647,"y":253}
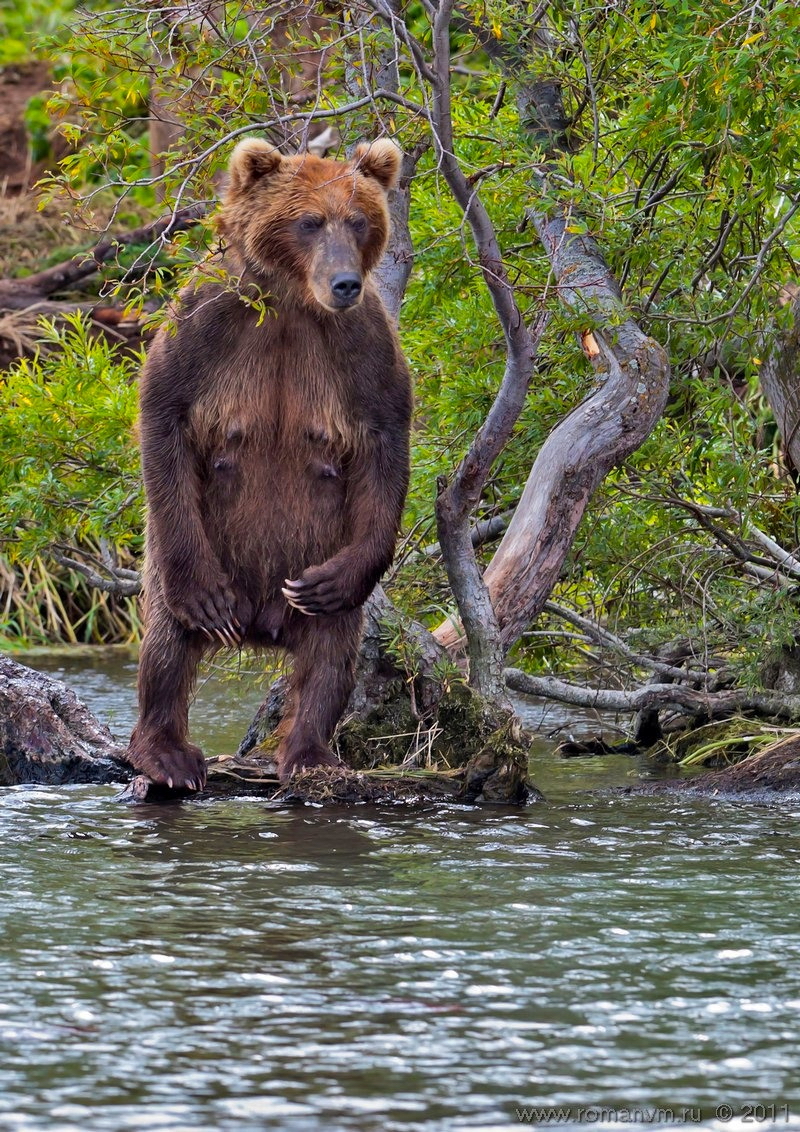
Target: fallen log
{"x":24,"y":302}
{"x":16,"y":294}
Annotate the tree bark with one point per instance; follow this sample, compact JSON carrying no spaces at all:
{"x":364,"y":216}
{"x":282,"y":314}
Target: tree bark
{"x":596,"y":436}
{"x":780,"y":381}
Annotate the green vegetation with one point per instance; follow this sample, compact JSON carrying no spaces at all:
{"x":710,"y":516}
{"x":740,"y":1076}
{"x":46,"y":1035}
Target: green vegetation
{"x":683,"y":161}
{"x":70,"y":488}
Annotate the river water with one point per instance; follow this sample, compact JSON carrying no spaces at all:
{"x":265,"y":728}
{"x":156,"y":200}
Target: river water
{"x":227,"y":965}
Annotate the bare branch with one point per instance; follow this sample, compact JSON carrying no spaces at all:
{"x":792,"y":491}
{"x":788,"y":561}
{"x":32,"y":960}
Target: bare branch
{"x":705,"y":705}
{"x":607,"y":639}
{"x":124,"y":583}
{"x":633,"y":381}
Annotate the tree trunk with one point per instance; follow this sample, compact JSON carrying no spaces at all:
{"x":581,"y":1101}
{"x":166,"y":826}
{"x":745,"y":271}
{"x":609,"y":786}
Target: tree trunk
{"x":780,"y":381}
{"x":633,"y":375}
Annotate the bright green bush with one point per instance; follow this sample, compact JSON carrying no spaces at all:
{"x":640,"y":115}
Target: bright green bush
{"x":69,"y":485}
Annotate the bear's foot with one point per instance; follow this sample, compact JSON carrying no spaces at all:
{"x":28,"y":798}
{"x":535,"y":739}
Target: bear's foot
{"x":291,"y":762}
{"x":177,"y":766}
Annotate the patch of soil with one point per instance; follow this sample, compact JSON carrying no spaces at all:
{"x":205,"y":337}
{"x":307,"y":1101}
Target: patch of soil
{"x":18,"y":85}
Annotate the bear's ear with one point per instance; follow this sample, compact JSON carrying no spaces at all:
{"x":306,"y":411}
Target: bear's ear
{"x":380,"y":160}
{"x":252,"y":159}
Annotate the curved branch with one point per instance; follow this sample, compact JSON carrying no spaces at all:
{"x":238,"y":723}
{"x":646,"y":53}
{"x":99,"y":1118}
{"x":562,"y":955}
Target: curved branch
{"x":606,"y":639}
{"x":612,"y":422}
{"x":124,"y":583}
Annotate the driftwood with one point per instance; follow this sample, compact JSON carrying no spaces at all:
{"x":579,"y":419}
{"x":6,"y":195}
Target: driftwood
{"x":17,"y":294}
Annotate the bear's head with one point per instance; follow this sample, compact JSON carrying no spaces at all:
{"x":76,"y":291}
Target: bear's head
{"x":311,"y":228}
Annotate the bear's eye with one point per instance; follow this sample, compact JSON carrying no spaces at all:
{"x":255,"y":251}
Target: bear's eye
{"x":358,"y":224}
{"x":310,"y":223}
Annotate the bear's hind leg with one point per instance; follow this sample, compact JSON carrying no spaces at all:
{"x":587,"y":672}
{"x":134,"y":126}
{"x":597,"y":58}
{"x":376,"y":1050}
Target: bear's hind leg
{"x":325,"y":652}
{"x":168,"y":663}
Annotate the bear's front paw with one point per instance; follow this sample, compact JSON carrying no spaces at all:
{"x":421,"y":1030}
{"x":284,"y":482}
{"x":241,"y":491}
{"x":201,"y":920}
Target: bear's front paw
{"x":178,"y":767}
{"x":208,"y":606}
{"x":324,"y":589}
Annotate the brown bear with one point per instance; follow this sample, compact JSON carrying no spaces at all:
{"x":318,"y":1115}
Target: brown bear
{"x":274,"y":427}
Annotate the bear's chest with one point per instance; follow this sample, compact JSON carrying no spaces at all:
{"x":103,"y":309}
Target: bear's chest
{"x":271,"y":397}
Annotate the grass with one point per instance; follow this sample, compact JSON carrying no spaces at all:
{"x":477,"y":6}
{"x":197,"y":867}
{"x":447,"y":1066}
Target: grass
{"x":42,"y":604}
{"x":724,"y":742}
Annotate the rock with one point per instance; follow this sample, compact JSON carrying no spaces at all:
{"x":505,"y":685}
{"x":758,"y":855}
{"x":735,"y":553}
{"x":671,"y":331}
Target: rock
{"x":48,"y":736}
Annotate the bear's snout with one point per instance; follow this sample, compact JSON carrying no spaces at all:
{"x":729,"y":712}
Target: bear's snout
{"x":346,"y":288}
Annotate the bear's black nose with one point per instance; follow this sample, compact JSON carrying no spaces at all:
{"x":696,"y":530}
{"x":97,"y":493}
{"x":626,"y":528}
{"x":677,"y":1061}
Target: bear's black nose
{"x":346,"y":287}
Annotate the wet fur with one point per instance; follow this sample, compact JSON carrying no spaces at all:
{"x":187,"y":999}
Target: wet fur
{"x":272,"y":453}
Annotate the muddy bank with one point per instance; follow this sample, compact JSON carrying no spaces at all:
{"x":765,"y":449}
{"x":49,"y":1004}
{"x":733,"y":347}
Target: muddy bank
{"x":772,"y":775}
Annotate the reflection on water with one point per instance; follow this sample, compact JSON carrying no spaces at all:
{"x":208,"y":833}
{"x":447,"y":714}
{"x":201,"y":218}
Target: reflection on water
{"x":224,"y":965}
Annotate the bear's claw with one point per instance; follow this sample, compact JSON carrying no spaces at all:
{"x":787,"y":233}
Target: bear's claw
{"x":292,"y":591}
{"x":179,"y":767}
{"x":319,"y":591}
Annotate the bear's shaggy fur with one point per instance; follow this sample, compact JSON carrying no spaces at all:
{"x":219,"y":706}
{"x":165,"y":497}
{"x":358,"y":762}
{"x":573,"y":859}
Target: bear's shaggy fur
{"x":274,"y":452}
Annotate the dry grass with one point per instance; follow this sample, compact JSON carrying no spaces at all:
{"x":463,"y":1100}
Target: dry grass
{"x":41,"y":603}
{"x":29,"y":235}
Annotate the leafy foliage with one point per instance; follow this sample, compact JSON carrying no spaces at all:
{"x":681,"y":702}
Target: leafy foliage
{"x":69,"y":482}
{"x":683,"y":161}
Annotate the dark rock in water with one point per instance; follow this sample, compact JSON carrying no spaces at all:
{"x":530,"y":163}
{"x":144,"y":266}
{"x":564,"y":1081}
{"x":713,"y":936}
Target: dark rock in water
{"x":48,"y":736}
{"x":579,"y":748}
{"x":500,"y":781}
